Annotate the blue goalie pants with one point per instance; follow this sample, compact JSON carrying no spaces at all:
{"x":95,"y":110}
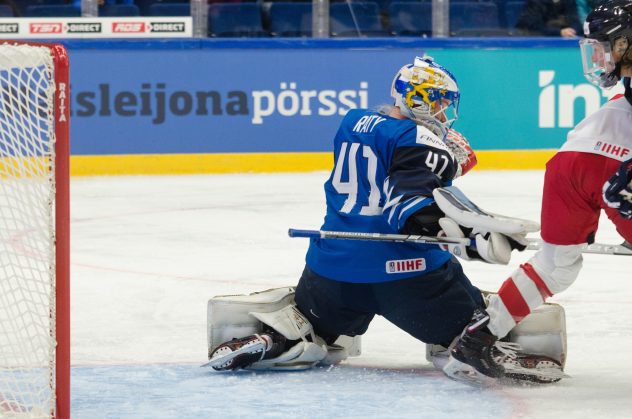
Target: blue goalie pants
{"x":433,"y":308}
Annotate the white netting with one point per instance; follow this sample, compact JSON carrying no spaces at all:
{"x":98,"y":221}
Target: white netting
{"x":27,"y":235}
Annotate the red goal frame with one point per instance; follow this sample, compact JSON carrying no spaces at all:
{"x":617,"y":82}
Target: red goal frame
{"x":62,"y":228}
{"x":61,"y":114}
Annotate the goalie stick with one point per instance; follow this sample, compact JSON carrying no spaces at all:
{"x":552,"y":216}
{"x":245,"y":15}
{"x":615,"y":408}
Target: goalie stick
{"x":533,"y":244}
{"x":595,"y":248}
{"x":453,"y":202}
{"x":353,"y":235}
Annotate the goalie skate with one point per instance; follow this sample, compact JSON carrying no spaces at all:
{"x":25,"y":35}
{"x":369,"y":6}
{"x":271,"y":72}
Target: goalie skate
{"x":471,"y":357}
{"x":239,"y":353}
{"x":465,"y":373}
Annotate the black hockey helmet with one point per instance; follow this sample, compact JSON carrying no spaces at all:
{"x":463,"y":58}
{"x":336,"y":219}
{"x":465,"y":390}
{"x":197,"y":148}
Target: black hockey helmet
{"x":609,"y":21}
{"x":608,"y":28}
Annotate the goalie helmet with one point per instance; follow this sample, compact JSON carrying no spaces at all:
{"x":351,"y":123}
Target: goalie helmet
{"x":608,"y":31}
{"x":427,"y":93}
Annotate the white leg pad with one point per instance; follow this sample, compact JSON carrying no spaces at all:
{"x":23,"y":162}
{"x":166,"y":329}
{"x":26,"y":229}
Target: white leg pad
{"x":288,"y":321}
{"x":235,"y":316}
{"x":438,"y":355}
{"x":353,"y":344}
{"x":228,"y":316}
{"x":543,"y":332}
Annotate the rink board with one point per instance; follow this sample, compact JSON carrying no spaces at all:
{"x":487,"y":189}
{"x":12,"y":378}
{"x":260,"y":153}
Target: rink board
{"x":226,"y":106}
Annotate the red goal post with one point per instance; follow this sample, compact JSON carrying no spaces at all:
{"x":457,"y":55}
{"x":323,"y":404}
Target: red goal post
{"x":34,"y":231}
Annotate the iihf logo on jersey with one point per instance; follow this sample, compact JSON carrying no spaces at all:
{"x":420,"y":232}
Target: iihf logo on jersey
{"x":615,"y":150}
{"x":405,"y":265}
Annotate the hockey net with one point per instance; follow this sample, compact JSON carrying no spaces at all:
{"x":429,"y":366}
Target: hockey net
{"x":34,"y":231}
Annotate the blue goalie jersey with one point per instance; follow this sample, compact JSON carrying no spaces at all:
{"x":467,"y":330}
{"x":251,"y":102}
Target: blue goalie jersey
{"x":385,"y":170}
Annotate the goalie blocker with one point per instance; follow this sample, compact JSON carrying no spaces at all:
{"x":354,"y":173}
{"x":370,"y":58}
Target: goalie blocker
{"x":237,"y":326}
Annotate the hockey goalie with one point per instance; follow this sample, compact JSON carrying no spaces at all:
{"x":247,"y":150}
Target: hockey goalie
{"x":269,"y":330}
{"x":393,"y":173}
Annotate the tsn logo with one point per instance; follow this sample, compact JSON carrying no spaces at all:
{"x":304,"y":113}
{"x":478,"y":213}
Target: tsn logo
{"x":128,"y":27}
{"x":52,"y":27}
{"x":556,"y":103}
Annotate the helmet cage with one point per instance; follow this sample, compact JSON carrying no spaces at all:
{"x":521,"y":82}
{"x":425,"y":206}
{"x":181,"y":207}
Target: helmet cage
{"x":597,"y":61}
{"x":609,"y":22}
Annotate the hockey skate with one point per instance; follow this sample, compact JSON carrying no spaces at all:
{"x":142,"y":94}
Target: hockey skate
{"x":471,"y":358}
{"x":240,"y":353}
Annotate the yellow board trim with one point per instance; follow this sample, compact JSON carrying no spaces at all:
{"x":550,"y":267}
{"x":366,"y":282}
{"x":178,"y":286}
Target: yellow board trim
{"x":181,"y":164}
{"x":513,"y":159}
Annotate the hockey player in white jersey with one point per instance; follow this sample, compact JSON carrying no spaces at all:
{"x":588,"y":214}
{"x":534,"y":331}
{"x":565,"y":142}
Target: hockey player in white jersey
{"x":572,"y":197}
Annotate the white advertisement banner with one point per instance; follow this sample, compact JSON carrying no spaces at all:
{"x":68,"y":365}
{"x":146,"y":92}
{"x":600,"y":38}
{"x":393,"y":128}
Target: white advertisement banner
{"x":97,"y":27}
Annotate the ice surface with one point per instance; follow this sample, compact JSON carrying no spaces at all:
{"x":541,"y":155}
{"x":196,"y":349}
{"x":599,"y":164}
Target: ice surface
{"x":148,"y":252}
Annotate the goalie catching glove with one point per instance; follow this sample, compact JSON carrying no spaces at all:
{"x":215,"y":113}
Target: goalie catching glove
{"x":493,"y":236}
{"x":486,"y":246}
